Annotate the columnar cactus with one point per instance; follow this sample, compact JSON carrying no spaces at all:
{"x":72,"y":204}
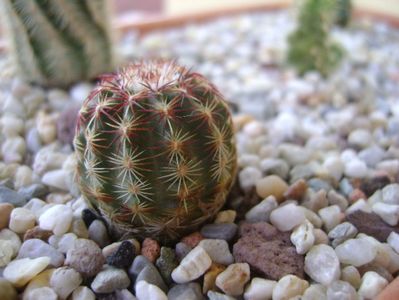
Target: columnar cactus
{"x":58,"y":42}
{"x":155,"y":148}
{"x":311,"y":47}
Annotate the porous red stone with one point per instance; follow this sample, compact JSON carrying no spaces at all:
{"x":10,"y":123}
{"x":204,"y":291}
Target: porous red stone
{"x":268,"y":251}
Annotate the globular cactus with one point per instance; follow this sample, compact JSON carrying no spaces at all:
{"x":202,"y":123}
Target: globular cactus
{"x":156,"y":150}
{"x":58,"y":42}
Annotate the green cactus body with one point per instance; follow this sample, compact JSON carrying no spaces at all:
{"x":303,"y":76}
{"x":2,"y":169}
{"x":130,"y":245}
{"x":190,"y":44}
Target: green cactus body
{"x":311,"y":47}
{"x":58,"y":42}
{"x":156,"y":150}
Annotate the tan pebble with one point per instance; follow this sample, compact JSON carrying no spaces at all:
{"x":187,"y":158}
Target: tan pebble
{"x":19,"y":272}
{"x":356,"y":195}
{"x":79,"y":228}
{"x":271,"y":185}
{"x":150,"y":249}
{"x":296,"y":190}
{"x":37,"y":233}
{"x":5,"y":212}
{"x":233,"y":279}
{"x":8,"y":292}
{"x":288,"y":287}
{"x":351,"y":274}
{"x":210,"y":277}
{"x":226,"y":216}
{"x":192,"y":239}
{"x":240,"y":121}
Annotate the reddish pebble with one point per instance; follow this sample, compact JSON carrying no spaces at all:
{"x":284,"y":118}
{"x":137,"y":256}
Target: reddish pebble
{"x":37,"y":233}
{"x":356,"y":194}
{"x":193,"y":239}
{"x":150,"y":249}
{"x":5,"y":212}
{"x":296,"y":190}
{"x":390,"y":292}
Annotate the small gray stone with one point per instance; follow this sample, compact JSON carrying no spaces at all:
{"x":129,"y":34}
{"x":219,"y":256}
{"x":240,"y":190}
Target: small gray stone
{"x":318,"y":184}
{"x":35,"y":248}
{"x":151,"y":275}
{"x":36,"y":190}
{"x":372,"y":155}
{"x":85,"y":257}
{"x":218,"y":251}
{"x":98,"y":233}
{"x":390,"y":194}
{"x":124,"y":295}
{"x":109,"y":280}
{"x":261,"y":211}
{"x":188,"y":291}
{"x":181,"y":250}
{"x":335,"y":198}
{"x":9,"y":196}
{"x":139,"y":263}
{"x":301,"y":172}
{"x":341,"y":233}
{"x":273,"y":166}
{"x":166,"y":263}
{"x":224,"y":231}
{"x":345,"y":187}
{"x":33,"y":141}
{"x":315,"y":200}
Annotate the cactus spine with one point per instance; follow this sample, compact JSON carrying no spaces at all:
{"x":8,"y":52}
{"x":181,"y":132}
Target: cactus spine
{"x":155,"y":147}
{"x":58,"y":42}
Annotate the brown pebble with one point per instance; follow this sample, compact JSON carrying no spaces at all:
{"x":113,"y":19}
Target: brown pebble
{"x":271,"y":185}
{"x":37,"y":233}
{"x":5,"y":212}
{"x":150,"y":249}
{"x":356,"y":194}
{"x":371,"y":224}
{"x":210,"y":277}
{"x":192,"y":239}
{"x":390,"y":292}
{"x":296,"y":191}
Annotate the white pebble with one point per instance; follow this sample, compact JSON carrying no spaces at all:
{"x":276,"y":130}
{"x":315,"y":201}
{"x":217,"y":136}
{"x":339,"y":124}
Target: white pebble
{"x":322,"y":264}
{"x":48,"y":159}
{"x":35,"y":205}
{"x":356,"y":168}
{"x":312,"y":217}
{"x":42,"y":293}
{"x":286,"y":217}
{"x":20,"y":271}
{"x":253,"y":129}
{"x":315,"y":292}
{"x":218,"y":251}
{"x":248,"y":160}
{"x":232,"y":280}
{"x":63,"y":243}
{"x":340,"y":290}
{"x":56,"y":179}
{"x":372,"y":284}
{"x":334,"y":166}
{"x":23,"y":177}
{"x":390,"y":193}
{"x":9,"y":235}
{"x":360,"y":137}
{"x":57,"y":218}
{"x":83,"y":293}
{"x":64,"y":281}
{"x":259,"y":289}
{"x":6,"y":252}
{"x":288,"y":287}
{"x":146,"y":291}
{"x":360,"y":204}
{"x":388,"y":212}
{"x":248,"y":177}
{"x":11,"y":126}
{"x":21,"y":220}
{"x":46,"y":127}
{"x":302,"y":237}
{"x":193,"y":265}
{"x":261,"y":211}
{"x":13,"y":149}
{"x":356,"y":252}
{"x":331,"y":216}
{"x":393,"y":241}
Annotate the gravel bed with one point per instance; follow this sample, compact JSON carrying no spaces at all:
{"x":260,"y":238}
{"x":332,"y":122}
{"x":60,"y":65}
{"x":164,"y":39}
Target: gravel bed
{"x":315,"y":209}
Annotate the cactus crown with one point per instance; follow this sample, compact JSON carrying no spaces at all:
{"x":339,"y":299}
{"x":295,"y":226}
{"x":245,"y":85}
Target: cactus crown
{"x":155,"y":147}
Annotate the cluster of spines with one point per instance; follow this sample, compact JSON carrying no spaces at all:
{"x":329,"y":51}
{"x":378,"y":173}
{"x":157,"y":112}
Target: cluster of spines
{"x":58,"y":42}
{"x":156,"y":149}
